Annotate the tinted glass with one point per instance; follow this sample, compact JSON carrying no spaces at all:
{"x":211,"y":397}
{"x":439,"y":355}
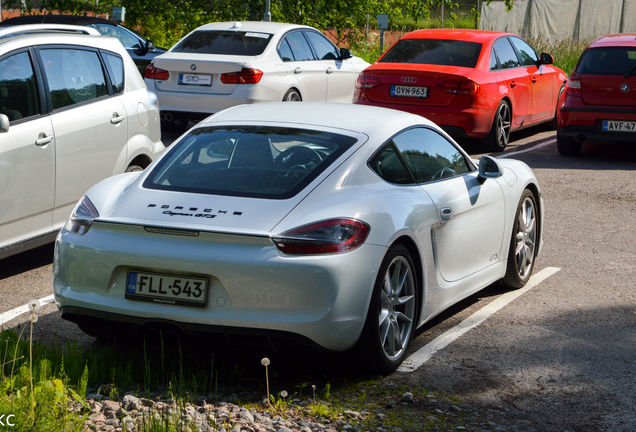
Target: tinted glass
{"x":506,"y":54}
{"x":115,"y":67}
{"x":18,"y":92}
{"x":247,"y":161}
{"x":324,"y":49}
{"x":526,"y":53}
{"x":285,"y":51}
{"x":429,"y":155}
{"x":433,"y":51}
{"x":299,"y":46}
{"x":224,"y":42}
{"x":127,"y":39}
{"x":388,"y":165}
{"x":608,"y":61}
{"x":493,"y":60}
{"x":73,"y":75}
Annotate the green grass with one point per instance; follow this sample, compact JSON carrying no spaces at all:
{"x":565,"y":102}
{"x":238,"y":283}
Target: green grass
{"x":566,"y":53}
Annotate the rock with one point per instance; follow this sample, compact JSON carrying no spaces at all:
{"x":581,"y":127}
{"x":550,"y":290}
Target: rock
{"x":236,"y":428}
{"x":353,"y":414}
{"x":130,"y":403}
{"x":111,"y":405}
{"x":246,"y":416}
{"x":100,"y":418}
{"x":407,"y":397}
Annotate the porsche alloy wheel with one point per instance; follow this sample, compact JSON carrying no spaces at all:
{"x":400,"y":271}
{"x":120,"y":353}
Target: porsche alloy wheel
{"x":499,"y":135}
{"x":523,"y":243}
{"x":391,"y":318}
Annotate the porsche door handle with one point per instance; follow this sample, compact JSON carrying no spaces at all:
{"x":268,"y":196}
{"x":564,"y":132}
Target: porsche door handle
{"x":329,"y":70}
{"x":43,"y":139}
{"x":446,"y":214}
{"x":298,"y":70}
{"x":117,"y":118}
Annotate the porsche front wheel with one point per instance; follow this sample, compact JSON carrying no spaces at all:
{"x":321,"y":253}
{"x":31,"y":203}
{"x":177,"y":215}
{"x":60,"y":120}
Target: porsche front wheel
{"x":391,"y":318}
{"x":523,"y":244}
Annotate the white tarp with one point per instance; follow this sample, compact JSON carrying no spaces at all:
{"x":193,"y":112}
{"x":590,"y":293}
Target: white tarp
{"x":561,"y":19}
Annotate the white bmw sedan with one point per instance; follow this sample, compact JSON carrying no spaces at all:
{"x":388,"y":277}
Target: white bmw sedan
{"x":346,"y":227}
{"x":225,"y":64}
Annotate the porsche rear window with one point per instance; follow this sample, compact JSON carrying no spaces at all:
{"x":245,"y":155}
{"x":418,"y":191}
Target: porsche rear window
{"x":247,"y":161}
{"x":224,"y":42}
{"x":433,"y":51}
{"x":608,"y":61}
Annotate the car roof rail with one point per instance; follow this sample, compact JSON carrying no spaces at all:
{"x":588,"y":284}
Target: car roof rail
{"x":24,"y":29}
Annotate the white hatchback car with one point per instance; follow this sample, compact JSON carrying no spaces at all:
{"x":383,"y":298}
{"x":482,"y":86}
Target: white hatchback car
{"x":224,"y":64}
{"x":73,"y":111}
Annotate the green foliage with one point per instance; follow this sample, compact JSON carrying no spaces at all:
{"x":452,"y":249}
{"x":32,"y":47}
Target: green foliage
{"x":566,"y":53}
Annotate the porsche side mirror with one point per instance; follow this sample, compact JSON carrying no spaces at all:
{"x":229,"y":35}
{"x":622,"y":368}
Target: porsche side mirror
{"x":547,"y":59}
{"x":489,"y":168}
{"x":4,"y":123}
{"x":345,"y":54}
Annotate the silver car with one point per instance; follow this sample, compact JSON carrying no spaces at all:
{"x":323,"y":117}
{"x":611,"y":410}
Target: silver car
{"x":73,"y":111}
{"x":343,"y":226}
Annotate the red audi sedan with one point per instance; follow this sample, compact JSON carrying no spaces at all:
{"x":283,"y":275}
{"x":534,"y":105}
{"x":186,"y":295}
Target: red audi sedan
{"x":472,"y":83}
{"x":599,"y":102}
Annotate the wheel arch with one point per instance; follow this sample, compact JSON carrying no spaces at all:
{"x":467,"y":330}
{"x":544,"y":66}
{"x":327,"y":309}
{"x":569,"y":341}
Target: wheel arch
{"x":293,"y":87}
{"x":414,"y":251}
{"x":141,"y":160}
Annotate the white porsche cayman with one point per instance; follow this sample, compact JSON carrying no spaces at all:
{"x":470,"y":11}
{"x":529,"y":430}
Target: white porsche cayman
{"x":344,"y":226}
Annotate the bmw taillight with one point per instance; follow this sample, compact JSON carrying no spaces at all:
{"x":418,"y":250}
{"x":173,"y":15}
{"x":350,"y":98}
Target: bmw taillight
{"x":331,"y":236}
{"x":245,"y":76}
{"x":82,"y":217}
{"x":365,"y":81}
{"x":155,"y":73}
{"x":573,"y":85}
{"x":460,"y":87}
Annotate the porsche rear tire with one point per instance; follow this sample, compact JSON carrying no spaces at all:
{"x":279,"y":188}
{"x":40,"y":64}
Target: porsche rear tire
{"x":524,"y":242}
{"x":390,"y":322}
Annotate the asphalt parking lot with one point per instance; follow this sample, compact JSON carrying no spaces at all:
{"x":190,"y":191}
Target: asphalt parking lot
{"x":562,"y":353}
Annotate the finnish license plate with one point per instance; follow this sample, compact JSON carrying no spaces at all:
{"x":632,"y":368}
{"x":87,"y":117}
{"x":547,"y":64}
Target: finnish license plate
{"x":195,"y":79}
{"x":619,"y":126}
{"x":409,"y":91}
{"x":166,"y":289}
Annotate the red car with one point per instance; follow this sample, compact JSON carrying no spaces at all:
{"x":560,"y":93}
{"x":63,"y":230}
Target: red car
{"x":472,"y":83}
{"x":599,"y":101}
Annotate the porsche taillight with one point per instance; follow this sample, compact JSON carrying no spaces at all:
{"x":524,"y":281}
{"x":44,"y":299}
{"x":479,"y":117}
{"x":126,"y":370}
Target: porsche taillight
{"x":573,"y":85}
{"x":325,"y":237}
{"x":155,"y":73}
{"x":245,"y":76}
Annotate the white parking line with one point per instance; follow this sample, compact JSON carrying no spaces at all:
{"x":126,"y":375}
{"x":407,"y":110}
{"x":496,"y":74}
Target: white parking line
{"x":422,"y":355}
{"x":538,"y":146}
{"x":14,"y":313}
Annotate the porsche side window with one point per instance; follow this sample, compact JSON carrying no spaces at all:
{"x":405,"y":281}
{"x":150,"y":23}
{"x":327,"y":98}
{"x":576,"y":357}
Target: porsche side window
{"x":18,"y":92}
{"x":507,"y":56}
{"x":74,"y":76}
{"x":388,"y":165}
{"x":430,"y":156}
{"x":299,"y":46}
{"x":527,"y":54}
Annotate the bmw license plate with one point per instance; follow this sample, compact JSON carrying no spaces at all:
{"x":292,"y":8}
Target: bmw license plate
{"x":619,"y":126}
{"x":167,"y":289}
{"x":195,"y":79}
{"x":409,"y":91}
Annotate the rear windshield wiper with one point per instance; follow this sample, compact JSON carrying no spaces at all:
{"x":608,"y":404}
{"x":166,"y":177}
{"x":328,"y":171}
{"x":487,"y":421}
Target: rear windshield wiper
{"x":630,"y":71}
